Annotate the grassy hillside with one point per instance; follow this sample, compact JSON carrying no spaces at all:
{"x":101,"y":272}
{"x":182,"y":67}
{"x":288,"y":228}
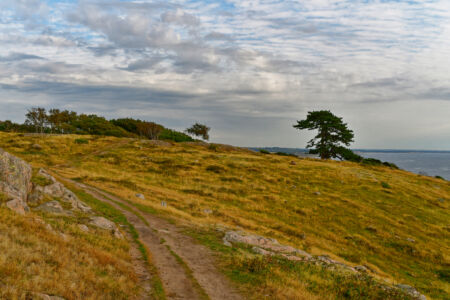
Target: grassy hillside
{"x":394,"y":222}
{"x":50,"y":254}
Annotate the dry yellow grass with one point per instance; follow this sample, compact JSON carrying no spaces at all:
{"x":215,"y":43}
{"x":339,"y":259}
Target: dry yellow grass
{"x":356,"y":214}
{"x":77,"y":265}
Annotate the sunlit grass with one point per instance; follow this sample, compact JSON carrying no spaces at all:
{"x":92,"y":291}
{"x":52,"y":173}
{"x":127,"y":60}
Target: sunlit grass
{"x":395,"y":222}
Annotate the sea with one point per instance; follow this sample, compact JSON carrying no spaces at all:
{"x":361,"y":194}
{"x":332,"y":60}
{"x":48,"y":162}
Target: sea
{"x":430,"y":163}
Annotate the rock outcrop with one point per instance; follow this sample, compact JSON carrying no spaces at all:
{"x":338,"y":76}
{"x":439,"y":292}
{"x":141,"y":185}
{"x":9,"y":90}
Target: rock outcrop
{"x":56,"y":189}
{"x":271,"y":247}
{"x":15,"y":181}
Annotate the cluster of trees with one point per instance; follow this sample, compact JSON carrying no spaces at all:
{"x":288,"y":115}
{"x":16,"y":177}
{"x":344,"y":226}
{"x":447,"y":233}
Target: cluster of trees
{"x":331,"y":141}
{"x":39,"y":120}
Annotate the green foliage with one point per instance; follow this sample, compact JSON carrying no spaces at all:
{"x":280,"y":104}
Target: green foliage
{"x":176,"y":136}
{"x":385,"y":185}
{"x":332,"y":132}
{"x":264,"y":151}
{"x":199,"y":130}
{"x":439,"y":177}
{"x":81,"y":141}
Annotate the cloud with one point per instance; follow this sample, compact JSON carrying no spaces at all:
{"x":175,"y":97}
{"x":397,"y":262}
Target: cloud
{"x":16,"y":56}
{"x":232,"y":61}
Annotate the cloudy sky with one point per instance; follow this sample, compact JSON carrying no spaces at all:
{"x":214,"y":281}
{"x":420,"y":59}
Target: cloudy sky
{"x":249,"y":69}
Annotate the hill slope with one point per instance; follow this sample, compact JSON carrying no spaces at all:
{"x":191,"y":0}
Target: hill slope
{"x":394,"y":222}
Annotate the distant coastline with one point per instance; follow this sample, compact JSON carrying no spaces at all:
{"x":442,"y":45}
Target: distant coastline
{"x":423,"y":162}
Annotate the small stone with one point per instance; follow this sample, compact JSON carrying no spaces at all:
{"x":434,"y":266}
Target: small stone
{"x":317,"y":193}
{"x":293,"y":163}
{"x":208,"y":211}
{"x":140,"y":196}
{"x":36,"y":147}
{"x":83,"y":227}
{"x":163,"y":204}
{"x":410,"y":240}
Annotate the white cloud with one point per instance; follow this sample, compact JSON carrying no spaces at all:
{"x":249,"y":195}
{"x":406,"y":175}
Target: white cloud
{"x":244,"y":61}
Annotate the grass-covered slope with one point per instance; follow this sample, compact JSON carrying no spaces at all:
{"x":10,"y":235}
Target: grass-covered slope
{"x":50,"y":254}
{"x":394,"y":222}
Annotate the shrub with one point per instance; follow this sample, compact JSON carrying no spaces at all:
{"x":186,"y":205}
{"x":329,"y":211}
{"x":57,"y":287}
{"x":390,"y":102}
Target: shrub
{"x":439,"y":177}
{"x":215,"y":169}
{"x":81,"y":141}
{"x":385,"y":185}
{"x":264,"y":151}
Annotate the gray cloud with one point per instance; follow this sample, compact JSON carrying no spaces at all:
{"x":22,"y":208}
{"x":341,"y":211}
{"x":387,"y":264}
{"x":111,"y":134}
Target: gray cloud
{"x":235,"y":64}
{"x":16,"y":56}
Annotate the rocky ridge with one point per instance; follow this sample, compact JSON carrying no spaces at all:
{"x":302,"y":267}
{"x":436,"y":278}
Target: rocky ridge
{"x":271,"y":247}
{"x":21,"y":193}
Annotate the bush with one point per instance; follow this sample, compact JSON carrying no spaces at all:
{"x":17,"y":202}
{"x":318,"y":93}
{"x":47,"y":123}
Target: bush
{"x":385,"y":185}
{"x":215,"y":169}
{"x":81,"y":141}
{"x":264,"y":151}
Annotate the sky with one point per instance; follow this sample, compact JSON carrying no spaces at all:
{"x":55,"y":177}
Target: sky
{"x":248,"y":69}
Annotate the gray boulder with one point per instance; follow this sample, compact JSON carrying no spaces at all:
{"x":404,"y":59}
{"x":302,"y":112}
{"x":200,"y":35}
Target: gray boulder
{"x":106,"y":224}
{"x":15,"y":181}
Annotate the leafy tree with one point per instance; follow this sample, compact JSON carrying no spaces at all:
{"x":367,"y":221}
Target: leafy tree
{"x":37,"y":117}
{"x":332,"y":133}
{"x":149,"y":129}
{"x":199,"y":130}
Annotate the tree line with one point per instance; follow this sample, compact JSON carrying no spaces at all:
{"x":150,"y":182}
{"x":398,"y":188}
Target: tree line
{"x":331,"y":142}
{"x":39,"y":120}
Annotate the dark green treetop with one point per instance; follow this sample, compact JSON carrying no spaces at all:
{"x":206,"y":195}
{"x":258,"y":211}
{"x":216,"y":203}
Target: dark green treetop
{"x":333,"y":133}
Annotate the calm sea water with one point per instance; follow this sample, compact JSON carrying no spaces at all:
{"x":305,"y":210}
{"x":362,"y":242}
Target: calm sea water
{"x":431,"y":163}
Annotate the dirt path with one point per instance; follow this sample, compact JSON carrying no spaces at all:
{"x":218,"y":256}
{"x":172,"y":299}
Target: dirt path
{"x":199,"y":280}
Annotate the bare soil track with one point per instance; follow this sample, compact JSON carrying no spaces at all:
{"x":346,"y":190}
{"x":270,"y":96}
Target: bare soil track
{"x":195,"y":276}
